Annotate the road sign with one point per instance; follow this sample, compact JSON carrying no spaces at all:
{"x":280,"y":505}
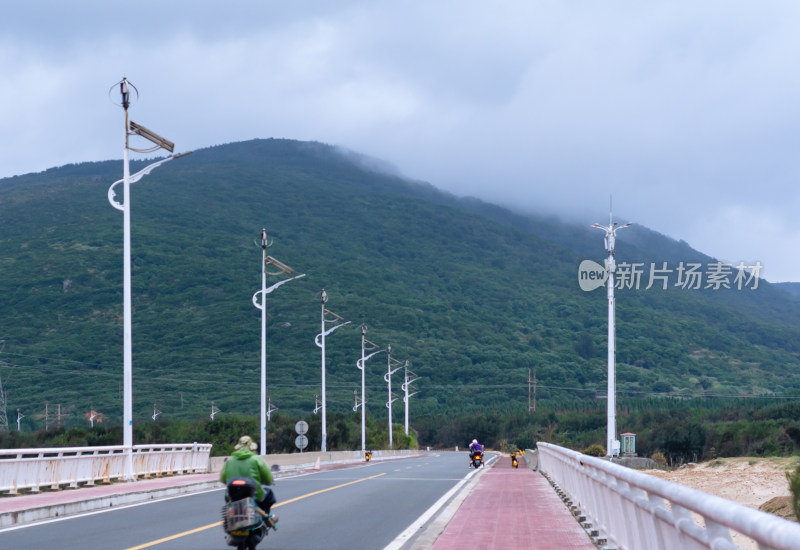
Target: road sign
{"x":301,"y":427}
{"x":301,"y":442}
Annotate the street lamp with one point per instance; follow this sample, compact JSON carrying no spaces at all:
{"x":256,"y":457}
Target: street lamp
{"x":319,"y":340}
{"x":317,"y":403}
{"x":611,"y":431}
{"x":270,"y":409}
{"x":131,"y":128}
{"x":388,"y":377}
{"x":405,"y":387}
{"x":366,"y":345}
{"x":282,"y":269}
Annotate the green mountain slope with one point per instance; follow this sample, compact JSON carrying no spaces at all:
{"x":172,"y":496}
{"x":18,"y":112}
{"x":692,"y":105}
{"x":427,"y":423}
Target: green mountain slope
{"x":471,"y":294}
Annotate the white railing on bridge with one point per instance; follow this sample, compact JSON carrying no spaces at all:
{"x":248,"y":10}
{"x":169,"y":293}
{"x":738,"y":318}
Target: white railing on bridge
{"x":634,"y":510}
{"x":31,"y":469}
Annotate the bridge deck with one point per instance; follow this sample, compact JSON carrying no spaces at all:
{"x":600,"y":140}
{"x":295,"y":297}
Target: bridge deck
{"x":513,"y":508}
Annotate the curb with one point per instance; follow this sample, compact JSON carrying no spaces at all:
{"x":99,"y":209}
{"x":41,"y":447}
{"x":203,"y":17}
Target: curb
{"x":16,"y":518}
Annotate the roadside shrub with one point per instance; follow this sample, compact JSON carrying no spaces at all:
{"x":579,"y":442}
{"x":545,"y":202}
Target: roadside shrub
{"x":794,"y":486}
{"x":595,"y":450}
{"x":659,"y":459}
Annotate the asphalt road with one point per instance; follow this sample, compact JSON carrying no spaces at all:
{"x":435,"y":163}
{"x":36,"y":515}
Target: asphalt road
{"x":362,"y":507}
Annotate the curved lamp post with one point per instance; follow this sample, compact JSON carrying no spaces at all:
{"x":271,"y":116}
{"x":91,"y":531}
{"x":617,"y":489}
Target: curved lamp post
{"x":267,"y":262}
{"x":409,"y":379}
{"x":388,"y":378}
{"x":366,"y":345}
{"x":611,"y":267}
{"x":319,"y":340}
{"x":131,"y":128}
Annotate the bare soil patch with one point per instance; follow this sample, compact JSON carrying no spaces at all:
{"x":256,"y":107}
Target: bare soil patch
{"x":756,"y":482}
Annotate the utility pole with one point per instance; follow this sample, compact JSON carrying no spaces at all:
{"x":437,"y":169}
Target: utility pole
{"x":3,"y":414}
{"x":611,"y":268}
{"x":529,"y":391}
{"x":59,"y":416}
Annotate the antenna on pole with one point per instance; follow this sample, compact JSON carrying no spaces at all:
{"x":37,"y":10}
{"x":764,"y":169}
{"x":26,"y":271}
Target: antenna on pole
{"x":20,"y":416}
{"x":214,"y":411}
{"x":612,"y":444}
{"x":156,"y":413}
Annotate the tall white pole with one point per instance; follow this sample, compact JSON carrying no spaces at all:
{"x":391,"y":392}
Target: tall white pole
{"x":324,"y":447}
{"x":405,"y":400}
{"x":127,"y":332}
{"x":320,"y":341}
{"x":611,"y":432}
{"x":611,"y":267}
{"x":260,"y":301}
{"x":263,"y":342}
{"x":389,"y":402}
{"x":363,"y":389}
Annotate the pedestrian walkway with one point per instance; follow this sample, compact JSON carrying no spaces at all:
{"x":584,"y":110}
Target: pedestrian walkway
{"x":21,"y":509}
{"x":513,"y":508}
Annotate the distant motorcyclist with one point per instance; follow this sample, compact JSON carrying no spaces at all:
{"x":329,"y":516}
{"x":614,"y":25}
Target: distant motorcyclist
{"x":475,"y":454}
{"x":245,"y":463}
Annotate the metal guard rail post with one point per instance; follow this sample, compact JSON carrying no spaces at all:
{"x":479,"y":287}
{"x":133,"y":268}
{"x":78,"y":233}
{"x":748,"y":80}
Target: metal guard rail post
{"x":32,"y":469}
{"x":634,"y":510}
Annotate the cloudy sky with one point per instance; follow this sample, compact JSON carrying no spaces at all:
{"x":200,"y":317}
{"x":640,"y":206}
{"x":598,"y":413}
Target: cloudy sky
{"x":687,"y":112}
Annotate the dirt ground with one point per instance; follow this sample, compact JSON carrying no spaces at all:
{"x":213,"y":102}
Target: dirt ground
{"x":756,"y":482}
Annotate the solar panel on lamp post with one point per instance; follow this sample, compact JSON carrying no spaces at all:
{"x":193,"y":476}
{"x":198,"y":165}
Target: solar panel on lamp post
{"x":282,"y":269}
{"x":131,"y":128}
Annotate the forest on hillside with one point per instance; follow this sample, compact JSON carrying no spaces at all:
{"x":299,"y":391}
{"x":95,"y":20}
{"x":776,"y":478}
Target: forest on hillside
{"x":475,"y":297}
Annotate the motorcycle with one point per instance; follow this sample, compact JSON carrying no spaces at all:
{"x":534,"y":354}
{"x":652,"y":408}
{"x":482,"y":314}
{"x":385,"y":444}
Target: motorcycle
{"x":514,"y":462}
{"x":368,"y":455}
{"x":242,"y":520}
{"x":476,"y":459}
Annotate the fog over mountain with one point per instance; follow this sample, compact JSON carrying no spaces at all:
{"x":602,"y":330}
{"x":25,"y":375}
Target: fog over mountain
{"x":685,"y":113}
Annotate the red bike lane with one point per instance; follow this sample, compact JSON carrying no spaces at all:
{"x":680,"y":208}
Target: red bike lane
{"x":513,"y":508}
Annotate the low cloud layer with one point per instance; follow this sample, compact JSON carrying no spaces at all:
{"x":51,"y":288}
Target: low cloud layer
{"x":686,"y":113}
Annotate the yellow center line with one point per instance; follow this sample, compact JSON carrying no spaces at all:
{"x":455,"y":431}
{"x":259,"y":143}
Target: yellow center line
{"x":212,"y":525}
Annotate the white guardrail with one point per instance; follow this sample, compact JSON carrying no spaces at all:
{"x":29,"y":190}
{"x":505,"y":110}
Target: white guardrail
{"x":31,"y":469}
{"x":633,"y":510}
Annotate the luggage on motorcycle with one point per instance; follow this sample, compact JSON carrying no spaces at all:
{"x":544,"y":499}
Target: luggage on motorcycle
{"x":241,"y":514}
{"x":242,"y":487}
{"x":242,"y":510}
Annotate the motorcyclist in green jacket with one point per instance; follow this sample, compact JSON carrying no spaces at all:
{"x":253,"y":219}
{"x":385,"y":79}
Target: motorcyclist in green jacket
{"x":245,"y":463}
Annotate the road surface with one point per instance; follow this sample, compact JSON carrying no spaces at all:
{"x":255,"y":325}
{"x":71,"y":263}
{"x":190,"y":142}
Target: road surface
{"x":365,"y":506}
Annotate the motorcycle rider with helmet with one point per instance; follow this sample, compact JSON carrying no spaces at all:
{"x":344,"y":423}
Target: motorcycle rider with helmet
{"x":245,"y":463}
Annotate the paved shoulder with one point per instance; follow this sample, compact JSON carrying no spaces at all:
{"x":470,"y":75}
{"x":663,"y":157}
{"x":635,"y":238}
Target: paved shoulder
{"x":513,"y":508}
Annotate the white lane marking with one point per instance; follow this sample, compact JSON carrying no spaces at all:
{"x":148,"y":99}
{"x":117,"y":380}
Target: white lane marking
{"x":414,"y":528}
